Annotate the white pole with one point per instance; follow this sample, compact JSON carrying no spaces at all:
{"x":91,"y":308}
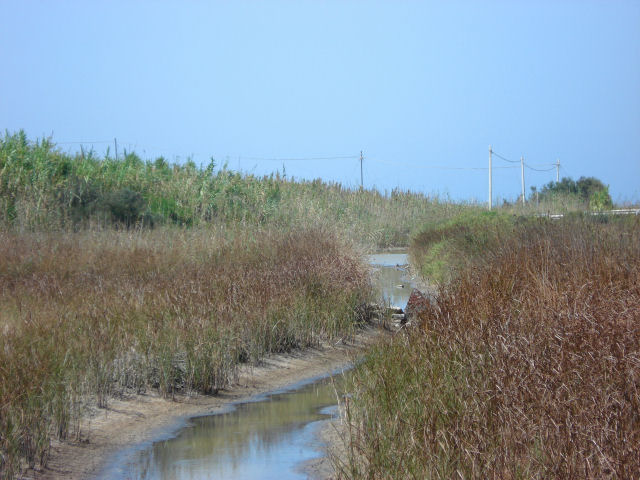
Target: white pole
{"x":522,"y":172}
{"x":557,"y":170}
{"x":361,"y":177}
{"x":490,"y":186}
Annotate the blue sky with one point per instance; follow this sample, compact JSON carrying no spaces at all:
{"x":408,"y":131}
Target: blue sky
{"x":415,"y":85}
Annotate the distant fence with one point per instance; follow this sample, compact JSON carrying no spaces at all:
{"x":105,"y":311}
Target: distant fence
{"x":623,"y":211}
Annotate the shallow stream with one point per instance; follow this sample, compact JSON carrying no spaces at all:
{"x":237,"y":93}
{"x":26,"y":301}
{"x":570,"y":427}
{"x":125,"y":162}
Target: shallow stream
{"x":269,"y":437}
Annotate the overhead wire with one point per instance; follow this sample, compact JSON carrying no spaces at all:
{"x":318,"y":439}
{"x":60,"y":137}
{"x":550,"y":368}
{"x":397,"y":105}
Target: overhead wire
{"x":565,"y":171}
{"x":539,"y":169}
{"x":83,"y":143}
{"x":530,"y":167}
{"x":291,"y":159}
{"x":440,"y":167}
{"x":504,"y":158}
{"x":345,"y":157}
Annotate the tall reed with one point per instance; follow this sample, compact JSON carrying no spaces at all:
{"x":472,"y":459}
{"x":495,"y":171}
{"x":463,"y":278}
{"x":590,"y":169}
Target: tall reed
{"x":42,"y":187}
{"x":89,"y":315}
{"x":526,"y":366}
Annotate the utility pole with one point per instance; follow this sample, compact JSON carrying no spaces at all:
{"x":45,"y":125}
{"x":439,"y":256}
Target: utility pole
{"x":522,"y":172}
{"x":557,"y":170}
{"x":490,"y":180}
{"x":115,"y":141}
{"x":361,"y":178}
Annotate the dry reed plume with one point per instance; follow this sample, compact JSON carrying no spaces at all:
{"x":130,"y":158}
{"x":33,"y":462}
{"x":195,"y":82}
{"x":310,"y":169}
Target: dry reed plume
{"x":90,"y":315}
{"x":528,"y":366}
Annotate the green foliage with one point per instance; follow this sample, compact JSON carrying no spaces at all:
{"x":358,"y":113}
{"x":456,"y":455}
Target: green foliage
{"x":92,"y":314}
{"x":600,"y":200}
{"x":583,"y":190}
{"x":524,"y":366}
{"x":443,"y":248}
{"x":125,"y":206}
{"x":42,"y":187}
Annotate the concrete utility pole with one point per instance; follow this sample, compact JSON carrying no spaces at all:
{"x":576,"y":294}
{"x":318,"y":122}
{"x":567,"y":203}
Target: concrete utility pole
{"x":557,"y":170}
{"x":115,"y":142}
{"x":490,"y":179}
{"x":361,"y":181}
{"x":522,"y":172}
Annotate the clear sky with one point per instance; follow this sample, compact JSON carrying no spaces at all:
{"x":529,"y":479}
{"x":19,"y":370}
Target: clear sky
{"x":412,"y":84}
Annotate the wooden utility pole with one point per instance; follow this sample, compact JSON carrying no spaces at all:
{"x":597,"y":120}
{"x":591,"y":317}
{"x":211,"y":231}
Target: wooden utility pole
{"x":490,"y":180}
{"x":557,"y":170}
{"x":522,"y":172}
{"x":361,"y":177}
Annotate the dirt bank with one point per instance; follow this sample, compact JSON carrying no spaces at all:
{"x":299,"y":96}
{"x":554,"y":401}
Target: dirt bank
{"x":332,"y":442}
{"x":139,"y":418}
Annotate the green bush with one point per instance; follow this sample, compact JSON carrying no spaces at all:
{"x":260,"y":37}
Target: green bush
{"x":443,"y":248}
{"x":42,"y":187}
{"x":125,"y":206}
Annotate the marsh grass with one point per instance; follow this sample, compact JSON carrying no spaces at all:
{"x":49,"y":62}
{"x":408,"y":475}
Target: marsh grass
{"x":42,"y":187}
{"x":95,"y":314}
{"x":527,"y":366}
{"x":446,"y":246}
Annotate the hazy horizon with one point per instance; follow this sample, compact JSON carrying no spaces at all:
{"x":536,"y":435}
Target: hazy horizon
{"x":422,"y":88}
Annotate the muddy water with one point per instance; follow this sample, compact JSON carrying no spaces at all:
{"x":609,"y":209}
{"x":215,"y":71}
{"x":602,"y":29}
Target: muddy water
{"x":267,"y":438}
{"x":391,"y":277}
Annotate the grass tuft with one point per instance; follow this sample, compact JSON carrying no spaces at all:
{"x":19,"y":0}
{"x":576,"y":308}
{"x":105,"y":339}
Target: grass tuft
{"x":91,"y":315}
{"x":527,"y":366}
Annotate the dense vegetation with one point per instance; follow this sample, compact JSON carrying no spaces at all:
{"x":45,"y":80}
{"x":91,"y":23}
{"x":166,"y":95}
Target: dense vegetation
{"x":445,"y":247}
{"x":526,"y":366}
{"x":43,"y":187}
{"x":585,"y":193}
{"x":125,"y":275}
{"x":93,"y":314}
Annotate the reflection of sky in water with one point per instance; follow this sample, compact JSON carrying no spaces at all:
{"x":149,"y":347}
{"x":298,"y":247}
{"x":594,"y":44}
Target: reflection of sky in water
{"x":388,"y":259}
{"x":257,"y":440}
{"x":389,"y":275}
{"x":264,"y":439}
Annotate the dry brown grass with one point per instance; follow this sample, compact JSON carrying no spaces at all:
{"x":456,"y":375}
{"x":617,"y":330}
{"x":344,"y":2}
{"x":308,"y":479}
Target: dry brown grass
{"x":90,"y":315}
{"x":528,"y":366}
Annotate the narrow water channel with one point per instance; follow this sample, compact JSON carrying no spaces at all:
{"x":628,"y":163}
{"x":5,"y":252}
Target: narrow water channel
{"x":267,"y":438}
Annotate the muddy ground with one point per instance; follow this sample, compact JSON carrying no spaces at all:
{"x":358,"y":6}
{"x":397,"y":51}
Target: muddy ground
{"x":139,"y":418}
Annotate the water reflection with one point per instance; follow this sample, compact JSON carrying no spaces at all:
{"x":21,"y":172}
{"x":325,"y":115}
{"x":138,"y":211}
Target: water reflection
{"x":391,"y":277}
{"x":257,"y":440}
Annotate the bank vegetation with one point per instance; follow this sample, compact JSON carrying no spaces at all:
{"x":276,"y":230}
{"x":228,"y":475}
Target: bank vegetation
{"x":89,"y":315}
{"x":43,"y":187}
{"x":527,"y":365}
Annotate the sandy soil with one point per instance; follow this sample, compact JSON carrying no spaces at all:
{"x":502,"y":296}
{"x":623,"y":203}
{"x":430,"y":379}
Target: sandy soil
{"x":332,"y":443}
{"x":139,"y":418}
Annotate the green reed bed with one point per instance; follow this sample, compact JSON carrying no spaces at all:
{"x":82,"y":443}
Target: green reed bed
{"x":526,"y":366}
{"x":42,"y":187}
{"x":446,"y":246}
{"x":89,"y":315}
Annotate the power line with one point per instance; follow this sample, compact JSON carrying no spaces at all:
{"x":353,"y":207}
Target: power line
{"x":539,"y":169}
{"x":503,"y":158}
{"x":439,"y":167}
{"x":566,"y":171}
{"x":541,"y":164}
{"x":342,"y":157}
{"x":301,"y":159}
{"x":526,"y":164}
{"x":275,"y":159}
{"x":83,"y":143}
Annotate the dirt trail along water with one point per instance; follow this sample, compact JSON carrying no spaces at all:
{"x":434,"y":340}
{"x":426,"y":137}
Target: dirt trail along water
{"x":265,"y":438}
{"x":268,"y":437}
